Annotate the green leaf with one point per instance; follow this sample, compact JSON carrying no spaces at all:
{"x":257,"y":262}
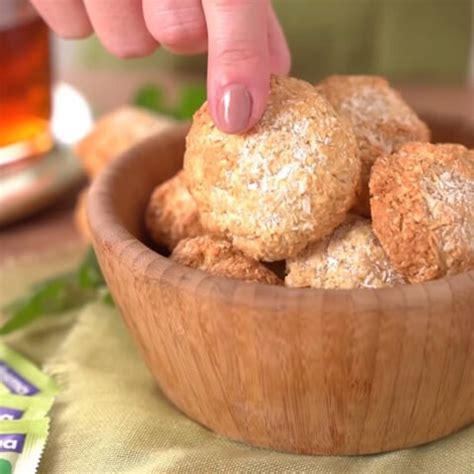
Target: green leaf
{"x":192,"y":97}
{"x":55,"y":296}
{"x":150,"y":97}
{"x":107,"y":298}
{"x":89,"y":274}
{"x":14,"y":306}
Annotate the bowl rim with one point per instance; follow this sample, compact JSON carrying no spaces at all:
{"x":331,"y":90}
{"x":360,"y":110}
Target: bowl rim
{"x":107,"y":228}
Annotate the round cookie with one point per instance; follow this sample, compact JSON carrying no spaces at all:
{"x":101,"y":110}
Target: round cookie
{"x":351,"y":257}
{"x":423,"y":209}
{"x":115,"y":133}
{"x":381,"y":120}
{"x":218,"y":257}
{"x":172,"y":214}
{"x":285,"y":183}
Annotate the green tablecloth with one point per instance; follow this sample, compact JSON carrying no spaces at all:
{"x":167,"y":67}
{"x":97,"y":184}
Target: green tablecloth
{"x":111,"y":417}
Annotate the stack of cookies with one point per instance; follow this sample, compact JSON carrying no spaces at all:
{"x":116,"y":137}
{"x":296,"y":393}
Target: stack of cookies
{"x":338,"y":184}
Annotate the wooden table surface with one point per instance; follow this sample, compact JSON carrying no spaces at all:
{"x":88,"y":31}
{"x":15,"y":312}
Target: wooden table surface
{"x":54,"y":226}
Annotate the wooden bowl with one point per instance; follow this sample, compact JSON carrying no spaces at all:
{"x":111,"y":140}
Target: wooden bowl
{"x":298,"y":370}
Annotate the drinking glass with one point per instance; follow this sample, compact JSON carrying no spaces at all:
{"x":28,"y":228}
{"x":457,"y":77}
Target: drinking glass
{"x":25,"y":83}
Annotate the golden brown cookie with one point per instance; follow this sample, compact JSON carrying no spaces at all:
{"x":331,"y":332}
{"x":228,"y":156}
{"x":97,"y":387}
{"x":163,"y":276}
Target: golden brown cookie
{"x":80,"y":216}
{"x":381,"y":120}
{"x":218,"y":257}
{"x":172,"y":214}
{"x":288,"y":181}
{"x":351,"y":257}
{"x":423,"y":209}
{"x":116,"y":132}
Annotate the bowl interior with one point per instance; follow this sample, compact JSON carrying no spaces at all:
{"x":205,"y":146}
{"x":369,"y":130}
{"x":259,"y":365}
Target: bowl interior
{"x":159,"y":160}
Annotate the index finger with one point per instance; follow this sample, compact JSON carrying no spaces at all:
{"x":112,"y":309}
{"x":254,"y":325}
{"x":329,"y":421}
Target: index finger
{"x":239,"y":62}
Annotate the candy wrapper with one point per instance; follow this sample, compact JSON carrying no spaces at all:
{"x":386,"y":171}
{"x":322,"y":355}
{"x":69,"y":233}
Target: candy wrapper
{"x":21,"y":445}
{"x":21,"y":377}
{"x":16,"y":407}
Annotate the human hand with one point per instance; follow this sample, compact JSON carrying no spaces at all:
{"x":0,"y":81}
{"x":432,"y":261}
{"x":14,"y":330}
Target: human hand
{"x":244,"y":40}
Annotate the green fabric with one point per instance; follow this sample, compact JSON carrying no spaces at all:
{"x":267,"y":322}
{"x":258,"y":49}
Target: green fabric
{"x":408,"y":40}
{"x":111,"y":417}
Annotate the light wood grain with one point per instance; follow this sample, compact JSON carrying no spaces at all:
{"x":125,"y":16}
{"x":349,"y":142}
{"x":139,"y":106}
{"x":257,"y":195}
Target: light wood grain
{"x":299,"y":370}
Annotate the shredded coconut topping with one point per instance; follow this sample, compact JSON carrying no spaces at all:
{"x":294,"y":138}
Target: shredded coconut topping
{"x":449,"y":198}
{"x":351,"y":257}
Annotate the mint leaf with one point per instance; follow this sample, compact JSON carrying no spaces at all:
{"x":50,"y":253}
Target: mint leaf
{"x":57,"y":295}
{"x":89,"y":274}
{"x":107,"y":298}
{"x":192,"y":97}
{"x":150,"y":97}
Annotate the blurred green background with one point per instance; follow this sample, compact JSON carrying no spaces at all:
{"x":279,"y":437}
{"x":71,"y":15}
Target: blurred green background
{"x":425,"y":41}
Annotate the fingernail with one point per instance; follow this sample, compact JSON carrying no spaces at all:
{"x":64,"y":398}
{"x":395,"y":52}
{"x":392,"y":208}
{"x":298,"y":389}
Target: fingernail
{"x":234,"y":109}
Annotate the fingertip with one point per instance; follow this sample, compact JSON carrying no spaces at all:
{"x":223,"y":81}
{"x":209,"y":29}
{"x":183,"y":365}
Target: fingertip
{"x":237,"y":107}
{"x":178,"y":27}
{"x":234,"y":109}
{"x":123,"y":33}
{"x":76,"y":32}
{"x":239,"y":62}
{"x":129,"y":49}
{"x":67,"y":19}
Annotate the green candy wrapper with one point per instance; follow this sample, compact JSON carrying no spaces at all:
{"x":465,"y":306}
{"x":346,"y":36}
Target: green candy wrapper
{"x":21,"y":445}
{"x":20,"y":377}
{"x":17,"y":407}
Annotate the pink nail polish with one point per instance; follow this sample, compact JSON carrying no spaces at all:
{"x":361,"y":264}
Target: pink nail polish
{"x":234,"y":109}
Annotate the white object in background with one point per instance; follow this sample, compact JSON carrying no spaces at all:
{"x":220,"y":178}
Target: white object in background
{"x":72,"y":117}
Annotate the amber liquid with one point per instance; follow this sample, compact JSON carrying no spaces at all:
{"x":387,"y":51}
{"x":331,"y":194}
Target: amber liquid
{"x":25,"y":90}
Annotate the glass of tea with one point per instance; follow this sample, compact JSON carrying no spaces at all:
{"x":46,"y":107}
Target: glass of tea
{"x":25,"y":83}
